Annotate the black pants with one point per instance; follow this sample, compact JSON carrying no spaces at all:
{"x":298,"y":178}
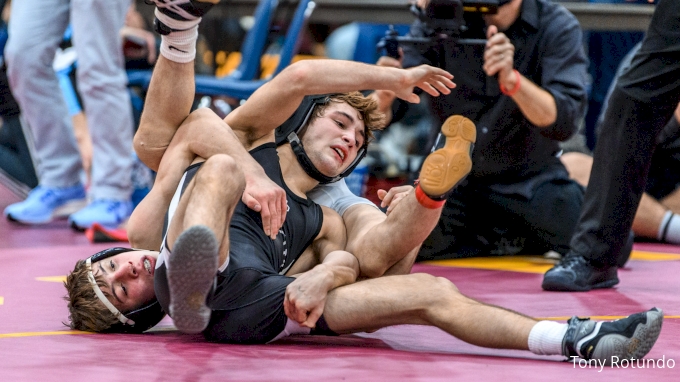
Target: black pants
{"x":15,"y":158}
{"x":642,"y":102}
{"x":480,"y":221}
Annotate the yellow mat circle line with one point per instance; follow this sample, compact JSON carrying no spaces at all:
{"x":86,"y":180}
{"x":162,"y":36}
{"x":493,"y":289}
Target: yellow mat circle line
{"x":36,"y":334}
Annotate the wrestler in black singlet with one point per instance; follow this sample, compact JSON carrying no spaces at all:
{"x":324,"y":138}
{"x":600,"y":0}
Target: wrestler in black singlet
{"x":247,"y":301}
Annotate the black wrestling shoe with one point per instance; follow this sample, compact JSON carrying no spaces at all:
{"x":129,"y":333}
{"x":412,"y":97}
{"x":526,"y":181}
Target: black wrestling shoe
{"x":181,"y":10}
{"x":610,"y":342}
{"x":574,"y":274}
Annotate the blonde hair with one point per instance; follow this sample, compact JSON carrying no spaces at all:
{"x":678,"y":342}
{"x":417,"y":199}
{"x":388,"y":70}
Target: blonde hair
{"x":366,"y":106}
{"x":86,"y":312}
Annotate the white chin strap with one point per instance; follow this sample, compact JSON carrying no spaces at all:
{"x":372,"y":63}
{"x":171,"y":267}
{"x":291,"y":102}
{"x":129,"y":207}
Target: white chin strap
{"x":103,"y":298}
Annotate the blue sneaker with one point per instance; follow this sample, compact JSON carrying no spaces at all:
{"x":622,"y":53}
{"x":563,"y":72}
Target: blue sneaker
{"x":108,"y":213}
{"x":46,"y":203}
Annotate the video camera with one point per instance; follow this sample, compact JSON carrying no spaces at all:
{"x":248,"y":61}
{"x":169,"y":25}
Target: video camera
{"x":442,"y":20}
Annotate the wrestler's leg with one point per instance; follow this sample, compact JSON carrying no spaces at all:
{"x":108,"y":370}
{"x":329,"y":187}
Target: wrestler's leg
{"x":168,"y":102}
{"x":209,"y":200}
{"x":389,"y":244}
{"x":198,"y":240}
{"x":423,"y":299}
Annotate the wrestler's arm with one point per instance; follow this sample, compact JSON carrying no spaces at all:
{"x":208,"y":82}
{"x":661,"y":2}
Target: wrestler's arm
{"x":202,"y":135}
{"x":306,"y":296}
{"x":205,"y":134}
{"x":274,"y":102}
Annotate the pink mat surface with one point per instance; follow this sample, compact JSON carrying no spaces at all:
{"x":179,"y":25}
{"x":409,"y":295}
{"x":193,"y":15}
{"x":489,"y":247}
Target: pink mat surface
{"x":35,"y":345}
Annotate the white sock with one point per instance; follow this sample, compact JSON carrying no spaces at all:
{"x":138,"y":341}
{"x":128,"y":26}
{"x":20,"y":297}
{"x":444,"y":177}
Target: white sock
{"x":669,"y":230}
{"x":546,"y":337}
{"x":180,"y":46}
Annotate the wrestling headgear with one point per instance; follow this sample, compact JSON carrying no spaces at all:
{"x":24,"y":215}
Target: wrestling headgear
{"x":138,"y":320}
{"x":288,"y":133}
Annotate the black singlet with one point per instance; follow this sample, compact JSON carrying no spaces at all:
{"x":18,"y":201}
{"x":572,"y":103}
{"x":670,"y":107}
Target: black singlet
{"x":247,"y":302}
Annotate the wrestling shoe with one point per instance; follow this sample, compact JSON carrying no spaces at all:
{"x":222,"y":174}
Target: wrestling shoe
{"x":108,"y":213}
{"x":46,"y":203}
{"x":445,"y":168}
{"x":192,"y":267}
{"x":610,"y":342}
{"x":183,"y":12}
{"x":574,"y":274}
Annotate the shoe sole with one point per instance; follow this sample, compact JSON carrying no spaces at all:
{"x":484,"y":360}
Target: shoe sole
{"x":99,"y":234}
{"x":192,"y":266}
{"x":635,"y":347}
{"x":447,"y":167}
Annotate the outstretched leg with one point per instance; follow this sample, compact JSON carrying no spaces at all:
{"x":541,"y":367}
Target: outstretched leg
{"x":422,"y":299}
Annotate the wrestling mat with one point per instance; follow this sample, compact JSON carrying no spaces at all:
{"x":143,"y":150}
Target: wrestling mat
{"x":35,"y":345}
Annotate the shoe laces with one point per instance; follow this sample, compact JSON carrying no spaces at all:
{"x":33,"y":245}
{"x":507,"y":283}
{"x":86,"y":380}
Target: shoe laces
{"x":109,"y":205}
{"x":43,"y":194}
{"x":48,"y":195}
{"x":570,"y":260}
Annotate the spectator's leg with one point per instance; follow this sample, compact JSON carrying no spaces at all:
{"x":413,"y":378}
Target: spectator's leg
{"x":650,"y":212}
{"x":102,"y":84}
{"x":36,"y":28}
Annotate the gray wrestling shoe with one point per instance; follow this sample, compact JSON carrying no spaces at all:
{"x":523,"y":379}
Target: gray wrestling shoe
{"x":610,"y":342}
{"x":192,"y":267}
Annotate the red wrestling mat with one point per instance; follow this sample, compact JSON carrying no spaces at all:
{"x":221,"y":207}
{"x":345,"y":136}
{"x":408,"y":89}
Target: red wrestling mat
{"x":34,"y":345}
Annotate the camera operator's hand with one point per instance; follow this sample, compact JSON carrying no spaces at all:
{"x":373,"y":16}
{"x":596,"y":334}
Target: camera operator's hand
{"x":422,"y":4}
{"x":499,"y":57}
{"x":434,"y":81}
{"x":385,"y":98}
{"x":392,"y":62}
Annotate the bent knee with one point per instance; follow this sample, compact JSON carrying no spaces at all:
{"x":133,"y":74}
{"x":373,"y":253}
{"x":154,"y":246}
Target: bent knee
{"x":222,"y":169}
{"x":372,"y":269}
{"x":435,"y":283}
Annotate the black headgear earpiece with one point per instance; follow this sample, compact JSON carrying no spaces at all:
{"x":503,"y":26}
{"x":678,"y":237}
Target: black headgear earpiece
{"x":288,"y":133}
{"x":138,"y":320}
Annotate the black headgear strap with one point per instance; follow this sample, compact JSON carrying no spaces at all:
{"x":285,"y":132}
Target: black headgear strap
{"x":138,"y":320}
{"x":296,"y":124}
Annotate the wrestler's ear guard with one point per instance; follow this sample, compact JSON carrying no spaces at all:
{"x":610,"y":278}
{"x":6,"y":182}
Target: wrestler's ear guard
{"x":290,"y":130}
{"x":136,"y":321}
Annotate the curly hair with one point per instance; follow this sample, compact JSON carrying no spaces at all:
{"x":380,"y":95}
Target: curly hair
{"x":86,"y":312}
{"x":366,"y":106}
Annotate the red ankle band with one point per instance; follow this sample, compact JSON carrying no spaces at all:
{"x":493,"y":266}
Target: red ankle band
{"x":426,"y":201}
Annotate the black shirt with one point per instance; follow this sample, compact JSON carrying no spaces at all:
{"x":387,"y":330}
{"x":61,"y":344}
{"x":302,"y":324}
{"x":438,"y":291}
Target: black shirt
{"x":549,"y":52}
